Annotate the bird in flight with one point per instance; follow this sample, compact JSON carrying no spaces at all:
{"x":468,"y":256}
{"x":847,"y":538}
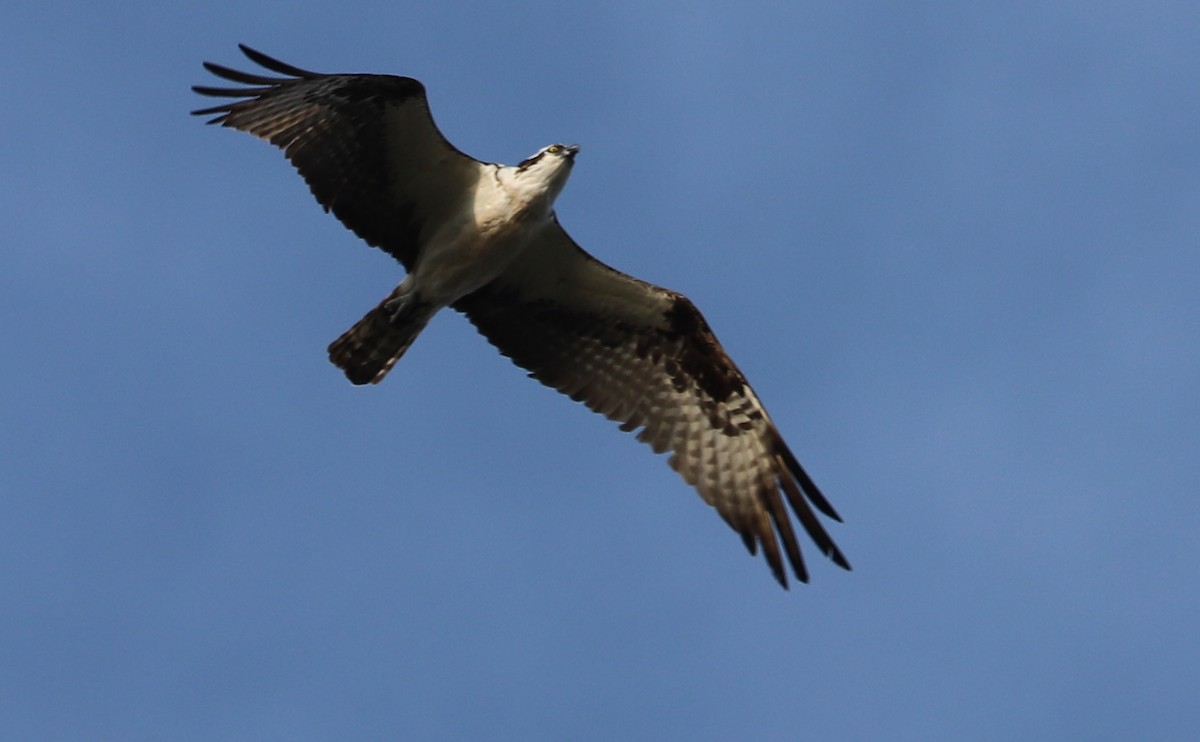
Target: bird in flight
{"x":483,"y":239}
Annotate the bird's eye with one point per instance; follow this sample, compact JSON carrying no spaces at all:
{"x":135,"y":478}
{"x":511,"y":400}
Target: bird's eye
{"x":554,"y":149}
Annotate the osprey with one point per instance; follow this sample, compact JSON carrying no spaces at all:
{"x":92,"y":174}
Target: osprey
{"x":483,"y":239}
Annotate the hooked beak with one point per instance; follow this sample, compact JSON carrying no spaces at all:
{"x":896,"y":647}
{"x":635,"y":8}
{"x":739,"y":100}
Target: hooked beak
{"x":571,"y":150}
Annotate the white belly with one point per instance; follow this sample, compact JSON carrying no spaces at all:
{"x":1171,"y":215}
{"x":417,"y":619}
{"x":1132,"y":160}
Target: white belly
{"x":473,"y":247}
{"x":467,"y":253}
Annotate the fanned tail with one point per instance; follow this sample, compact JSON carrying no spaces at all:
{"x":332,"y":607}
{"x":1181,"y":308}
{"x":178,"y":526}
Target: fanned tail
{"x":369,"y":349}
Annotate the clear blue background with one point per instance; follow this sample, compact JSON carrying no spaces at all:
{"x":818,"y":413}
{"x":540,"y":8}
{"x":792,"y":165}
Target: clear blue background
{"x":954,"y":246}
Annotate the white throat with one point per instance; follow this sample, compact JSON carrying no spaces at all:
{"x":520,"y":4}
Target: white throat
{"x":532,"y":190}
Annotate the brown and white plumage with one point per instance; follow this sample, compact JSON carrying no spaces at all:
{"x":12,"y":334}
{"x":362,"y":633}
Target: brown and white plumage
{"x":483,"y":239}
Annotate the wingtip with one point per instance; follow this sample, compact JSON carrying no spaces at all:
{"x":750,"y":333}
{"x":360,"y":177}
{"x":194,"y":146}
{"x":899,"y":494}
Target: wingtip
{"x":780,"y":575}
{"x":252,"y":54}
{"x":273,"y":64}
{"x":221,"y":111}
{"x":811,"y":491}
{"x":837,"y":558}
{"x":827,"y":510}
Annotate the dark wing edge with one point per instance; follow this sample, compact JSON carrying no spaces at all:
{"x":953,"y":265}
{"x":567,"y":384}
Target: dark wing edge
{"x":658,"y":368}
{"x":364,"y":143}
{"x":267,"y":84}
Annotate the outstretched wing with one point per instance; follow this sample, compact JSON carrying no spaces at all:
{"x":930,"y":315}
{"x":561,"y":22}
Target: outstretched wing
{"x":644,"y":356}
{"x":366,"y":145}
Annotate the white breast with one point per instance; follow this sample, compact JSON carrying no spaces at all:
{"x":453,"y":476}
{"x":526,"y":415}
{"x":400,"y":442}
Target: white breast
{"x":481,"y":237}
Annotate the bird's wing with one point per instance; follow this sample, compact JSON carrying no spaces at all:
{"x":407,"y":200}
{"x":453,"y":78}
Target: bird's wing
{"x":366,"y":144}
{"x":644,"y":356}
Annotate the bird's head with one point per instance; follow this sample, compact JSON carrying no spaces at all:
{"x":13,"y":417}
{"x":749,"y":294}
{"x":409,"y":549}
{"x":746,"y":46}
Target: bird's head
{"x":548,"y":167}
{"x":553,"y":157}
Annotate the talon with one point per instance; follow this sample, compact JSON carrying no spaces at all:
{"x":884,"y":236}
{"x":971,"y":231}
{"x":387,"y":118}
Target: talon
{"x":398,"y":306}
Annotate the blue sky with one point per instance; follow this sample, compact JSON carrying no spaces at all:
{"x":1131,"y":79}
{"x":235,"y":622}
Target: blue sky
{"x":953,"y":246}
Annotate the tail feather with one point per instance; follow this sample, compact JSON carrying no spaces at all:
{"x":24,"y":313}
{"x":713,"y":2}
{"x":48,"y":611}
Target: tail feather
{"x":369,"y":349}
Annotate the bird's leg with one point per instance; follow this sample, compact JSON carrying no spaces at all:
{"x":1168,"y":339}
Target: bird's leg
{"x":400,"y":305}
